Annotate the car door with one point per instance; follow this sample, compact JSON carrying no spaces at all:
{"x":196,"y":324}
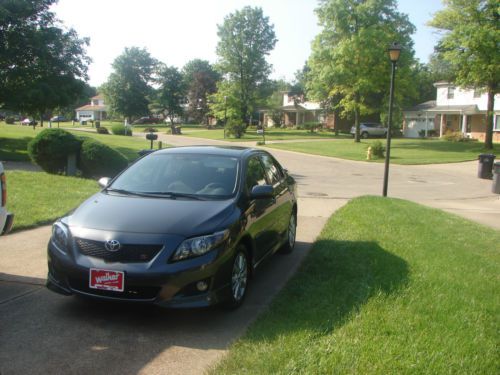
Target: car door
{"x":282,"y":195}
{"x":260,"y":211}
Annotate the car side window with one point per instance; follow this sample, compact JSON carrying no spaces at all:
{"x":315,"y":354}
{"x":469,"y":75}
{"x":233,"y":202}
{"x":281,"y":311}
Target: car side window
{"x":255,"y":173}
{"x":273,"y":171}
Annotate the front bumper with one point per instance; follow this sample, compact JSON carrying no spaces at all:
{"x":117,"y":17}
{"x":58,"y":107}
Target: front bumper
{"x":171,"y":285}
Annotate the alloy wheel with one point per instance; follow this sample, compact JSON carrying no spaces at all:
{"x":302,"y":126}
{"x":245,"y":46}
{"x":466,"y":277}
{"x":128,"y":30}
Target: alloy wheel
{"x":239,"y":277}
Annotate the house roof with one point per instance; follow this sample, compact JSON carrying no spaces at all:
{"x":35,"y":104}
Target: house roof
{"x":306,"y":106}
{"x":471,"y":108}
{"x":98,"y":96}
{"x":422,"y":106}
{"x":89,"y":107}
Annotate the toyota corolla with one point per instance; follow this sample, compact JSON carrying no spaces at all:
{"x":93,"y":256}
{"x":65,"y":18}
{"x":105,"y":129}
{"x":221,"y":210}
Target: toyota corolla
{"x":181,"y":227}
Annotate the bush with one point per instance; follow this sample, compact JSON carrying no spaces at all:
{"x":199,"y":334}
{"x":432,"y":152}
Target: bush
{"x":98,"y":160}
{"x":234,"y":128}
{"x":102,"y":130}
{"x":51,"y":147}
{"x":150,"y":130}
{"x":430,"y":133}
{"x":451,"y":136}
{"x":119,"y":129}
{"x":261,"y":143}
{"x":10,"y":121}
{"x":378,"y":150}
{"x":311,"y":126}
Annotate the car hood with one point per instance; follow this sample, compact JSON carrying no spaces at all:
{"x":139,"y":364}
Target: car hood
{"x":150,"y":215}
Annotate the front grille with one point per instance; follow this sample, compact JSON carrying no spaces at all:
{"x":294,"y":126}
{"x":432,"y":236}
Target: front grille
{"x":130,"y":291}
{"x":127,"y":254}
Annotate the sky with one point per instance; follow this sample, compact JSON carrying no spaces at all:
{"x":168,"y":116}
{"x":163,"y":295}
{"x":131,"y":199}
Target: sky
{"x":176,"y":31}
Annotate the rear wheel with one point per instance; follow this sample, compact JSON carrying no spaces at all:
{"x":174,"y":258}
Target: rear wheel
{"x":239,"y":278}
{"x":291,"y":235}
{"x":364,"y":135}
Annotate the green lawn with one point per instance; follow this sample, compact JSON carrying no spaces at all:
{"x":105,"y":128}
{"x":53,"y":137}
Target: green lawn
{"x":271,"y":134}
{"x":38,"y":198}
{"x":14,"y":141}
{"x":403,"y":151}
{"x":389,"y":287}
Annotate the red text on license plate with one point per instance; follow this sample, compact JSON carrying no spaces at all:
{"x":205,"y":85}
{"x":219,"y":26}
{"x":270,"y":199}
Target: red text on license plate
{"x":106,"y":280}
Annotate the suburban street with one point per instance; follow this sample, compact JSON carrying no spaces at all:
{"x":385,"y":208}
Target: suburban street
{"x":41,"y":332}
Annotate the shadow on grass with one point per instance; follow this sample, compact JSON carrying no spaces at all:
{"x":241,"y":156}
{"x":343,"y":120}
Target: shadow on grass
{"x":443,"y":146}
{"x":14,"y":149}
{"x":335,"y":281}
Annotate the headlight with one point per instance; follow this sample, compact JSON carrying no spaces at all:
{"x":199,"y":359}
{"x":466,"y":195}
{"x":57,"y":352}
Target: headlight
{"x":194,"y":247}
{"x":60,"y":236}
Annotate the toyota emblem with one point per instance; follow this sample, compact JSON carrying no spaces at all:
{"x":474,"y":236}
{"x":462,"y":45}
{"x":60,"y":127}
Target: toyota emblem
{"x":112,"y":245}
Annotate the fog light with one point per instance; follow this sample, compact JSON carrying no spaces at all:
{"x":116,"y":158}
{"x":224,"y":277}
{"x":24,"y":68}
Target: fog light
{"x":202,"y":286}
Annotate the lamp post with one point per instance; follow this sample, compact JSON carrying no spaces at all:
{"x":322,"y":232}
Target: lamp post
{"x":225,"y":114}
{"x":394,"y":52}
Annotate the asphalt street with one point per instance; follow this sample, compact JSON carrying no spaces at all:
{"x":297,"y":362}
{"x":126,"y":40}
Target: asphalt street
{"x":41,"y":332}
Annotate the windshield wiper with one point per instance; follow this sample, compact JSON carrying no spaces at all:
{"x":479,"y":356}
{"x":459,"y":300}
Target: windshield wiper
{"x":173,"y":194}
{"x":126,"y":192}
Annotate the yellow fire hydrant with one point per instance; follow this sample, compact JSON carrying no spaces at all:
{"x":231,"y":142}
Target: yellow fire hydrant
{"x":369,"y":153}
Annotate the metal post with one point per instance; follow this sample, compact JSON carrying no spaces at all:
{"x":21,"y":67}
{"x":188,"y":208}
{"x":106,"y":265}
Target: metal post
{"x":225,"y":115}
{"x":389,"y":125}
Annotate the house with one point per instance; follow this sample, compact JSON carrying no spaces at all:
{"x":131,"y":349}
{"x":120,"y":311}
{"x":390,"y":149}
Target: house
{"x":455,"y":109}
{"x":95,"y":111}
{"x":296,"y":111}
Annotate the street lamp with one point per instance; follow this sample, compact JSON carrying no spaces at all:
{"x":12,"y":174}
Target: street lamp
{"x":394,"y":52}
{"x":225,"y":114}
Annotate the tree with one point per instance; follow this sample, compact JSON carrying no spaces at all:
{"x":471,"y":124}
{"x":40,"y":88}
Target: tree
{"x":245,"y":39}
{"x":171,"y":94}
{"x":201,"y":81}
{"x":470,"y":43}
{"x":128,"y":87}
{"x":349,"y":57}
{"x":42,"y":66}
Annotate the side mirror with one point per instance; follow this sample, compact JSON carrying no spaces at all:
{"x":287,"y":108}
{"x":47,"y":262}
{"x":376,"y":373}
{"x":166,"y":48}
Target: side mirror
{"x":262,"y":192}
{"x":104,"y":182}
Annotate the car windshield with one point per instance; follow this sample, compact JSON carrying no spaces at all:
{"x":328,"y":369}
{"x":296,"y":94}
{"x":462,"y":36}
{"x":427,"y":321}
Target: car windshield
{"x":180,"y":175}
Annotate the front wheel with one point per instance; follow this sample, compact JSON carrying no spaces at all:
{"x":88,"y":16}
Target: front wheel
{"x":364,"y":135}
{"x":291,"y":235}
{"x":239,"y":278}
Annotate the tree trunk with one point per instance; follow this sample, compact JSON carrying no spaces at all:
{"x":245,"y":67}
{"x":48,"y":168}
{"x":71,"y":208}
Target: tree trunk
{"x":488,"y":139}
{"x":356,"y":124}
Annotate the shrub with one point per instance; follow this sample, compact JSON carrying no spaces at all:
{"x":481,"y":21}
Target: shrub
{"x":102,"y":130}
{"x":430,"y":133}
{"x":10,"y":121}
{"x":119,"y":129}
{"x":311,"y":126}
{"x":234,"y":128}
{"x":261,"y":143}
{"x":98,"y":160}
{"x":451,"y":136}
{"x":378,"y":150}
{"x":150,"y":130}
{"x":51,"y":147}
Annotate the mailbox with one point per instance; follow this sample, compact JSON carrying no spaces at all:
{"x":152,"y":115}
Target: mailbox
{"x":151,"y":136}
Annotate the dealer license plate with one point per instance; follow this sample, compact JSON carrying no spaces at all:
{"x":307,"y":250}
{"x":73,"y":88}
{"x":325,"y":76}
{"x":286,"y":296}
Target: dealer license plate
{"x":106,"y":280}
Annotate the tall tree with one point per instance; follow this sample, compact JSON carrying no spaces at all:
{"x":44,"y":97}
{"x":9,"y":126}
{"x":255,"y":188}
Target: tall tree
{"x":42,"y":65}
{"x":470,"y":43}
{"x":349,"y":57}
{"x":245,"y":39}
{"x":171,"y":94}
{"x":201,"y":81}
{"x":128,"y":87}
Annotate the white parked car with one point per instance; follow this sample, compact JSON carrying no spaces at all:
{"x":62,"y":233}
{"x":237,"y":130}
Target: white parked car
{"x":370,"y":129}
{"x":6,"y":218}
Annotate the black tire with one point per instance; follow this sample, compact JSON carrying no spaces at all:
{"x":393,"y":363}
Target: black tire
{"x":239,"y":278}
{"x":364,"y":135}
{"x":291,"y":235}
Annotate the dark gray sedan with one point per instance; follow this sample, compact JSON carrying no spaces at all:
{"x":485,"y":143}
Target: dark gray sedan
{"x":181,"y":227}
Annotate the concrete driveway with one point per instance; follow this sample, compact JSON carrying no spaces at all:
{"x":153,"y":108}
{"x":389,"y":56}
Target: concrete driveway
{"x":41,"y":332}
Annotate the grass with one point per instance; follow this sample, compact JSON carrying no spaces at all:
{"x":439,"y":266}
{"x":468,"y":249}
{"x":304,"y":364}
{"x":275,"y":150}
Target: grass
{"x":38,"y":198}
{"x":389,"y":287}
{"x":14,"y":142}
{"x":272,"y":134}
{"x":403,"y":151}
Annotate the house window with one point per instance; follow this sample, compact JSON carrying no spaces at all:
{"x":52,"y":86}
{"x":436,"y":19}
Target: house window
{"x":477,"y":93}
{"x":496,"y":124}
{"x":469,"y":124}
{"x":451,"y":92}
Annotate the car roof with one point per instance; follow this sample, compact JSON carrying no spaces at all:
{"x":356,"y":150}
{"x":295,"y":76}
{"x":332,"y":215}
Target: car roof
{"x":233,"y":151}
